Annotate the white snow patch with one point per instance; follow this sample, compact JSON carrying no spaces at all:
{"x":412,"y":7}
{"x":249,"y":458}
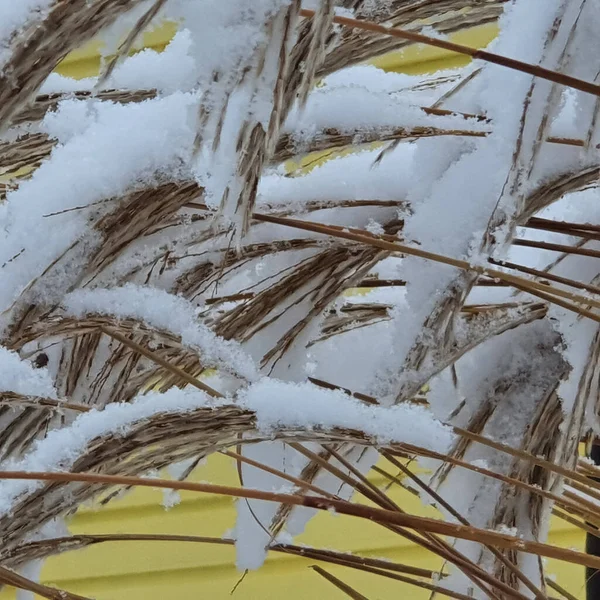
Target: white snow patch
{"x":19,"y":376}
{"x":107,"y":151}
{"x":164,"y":311}
{"x":305,"y":406}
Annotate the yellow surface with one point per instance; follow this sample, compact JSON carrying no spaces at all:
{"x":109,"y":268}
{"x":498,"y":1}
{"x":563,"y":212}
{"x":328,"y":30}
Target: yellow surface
{"x":182,"y":571}
{"x":188,"y":571}
{"x":418,"y":59}
{"x":85,"y":62}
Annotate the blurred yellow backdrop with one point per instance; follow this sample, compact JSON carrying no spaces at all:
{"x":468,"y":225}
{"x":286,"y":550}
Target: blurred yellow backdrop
{"x":185,"y":571}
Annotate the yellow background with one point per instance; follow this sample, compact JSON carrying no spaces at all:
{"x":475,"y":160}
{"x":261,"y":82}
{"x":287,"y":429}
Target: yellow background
{"x":182,"y":571}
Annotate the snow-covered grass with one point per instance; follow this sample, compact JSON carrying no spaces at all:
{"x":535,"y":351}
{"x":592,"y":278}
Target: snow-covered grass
{"x":266,"y":305}
{"x":138,"y":144}
{"x":14,"y":17}
{"x":305,"y":408}
{"x":165,"y":312}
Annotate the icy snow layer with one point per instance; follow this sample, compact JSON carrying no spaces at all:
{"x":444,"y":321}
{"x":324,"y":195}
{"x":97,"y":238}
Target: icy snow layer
{"x":357,"y":106}
{"x":166,"y":312}
{"x":577,"y":333}
{"x":61,"y":447}
{"x":277,"y":405}
{"x":135,"y":143}
{"x":412,"y":87}
{"x":223,"y":33}
{"x":302,"y":405}
{"x":237,"y":46}
{"x":460,"y":181}
{"x":353,"y":177}
{"x":113,"y":35}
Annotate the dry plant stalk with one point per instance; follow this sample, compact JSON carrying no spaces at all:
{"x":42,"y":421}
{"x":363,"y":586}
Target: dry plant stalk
{"x":170,"y":288}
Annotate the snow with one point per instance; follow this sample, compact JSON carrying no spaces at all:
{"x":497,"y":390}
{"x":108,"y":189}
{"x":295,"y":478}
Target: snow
{"x":402,"y":85}
{"x":238,"y":47}
{"x":445,"y":189}
{"x":166,"y":312}
{"x":19,"y":376}
{"x":564,"y":124}
{"x":114,"y":34}
{"x":59,"y":84}
{"x":305,"y":406}
{"x":60,"y":448}
{"x":168,"y":71}
{"x":462,"y":181}
{"x":138,"y":144}
{"x":14,"y":17}
{"x":224,"y":33}
{"x":357,"y":108}
{"x":352,"y":177}
{"x":278,"y":405}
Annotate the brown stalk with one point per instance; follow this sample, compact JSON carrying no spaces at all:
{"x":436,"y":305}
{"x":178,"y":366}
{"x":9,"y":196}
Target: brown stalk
{"x":547,"y":275}
{"x":348,"y":590}
{"x":568,"y":228}
{"x":584,"y":490}
{"x":127,"y":44}
{"x":441,"y":502}
{"x":48,"y":38}
{"x":556,"y":247}
{"x":393,"y":479}
{"x":576,"y":522}
{"x":15,"y":580}
{"x":357,"y":395}
{"x":339,"y":558}
{"x":231,"y":298}
{"x":360,"y":476}
{"x":162,"y":362}
{"x":592,"y":513}
{"x":581,"y":509}
{"x":31,"y":149}
{"x":331,"y":138}
{"x":377,"y":515}
{"x":558,"y":588}
{"x":349,"y":560}
{"x":424,"y":585}
{"x":378,"y":283}
{"x":44,"y":103}
{"x":366,"y":488}
{"x":566,"y":141}
{"x":546,"y":464}
{"x":583,"y":465}
{"x":569,"y":502}
{"x":533,"y":287}
{"x":344,"y":558}
{"x":444,"y":545}
{"x":379,"y":567}
{"x":16,"y":400}
{"x":568,"y":499}
{"x":433,"y":543}
{"x":301,"y":484}
{"x":553,"y":300}
{"x":504,"y":61}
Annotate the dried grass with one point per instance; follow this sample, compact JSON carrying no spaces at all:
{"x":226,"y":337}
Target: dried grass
{"x":105,"y":360}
